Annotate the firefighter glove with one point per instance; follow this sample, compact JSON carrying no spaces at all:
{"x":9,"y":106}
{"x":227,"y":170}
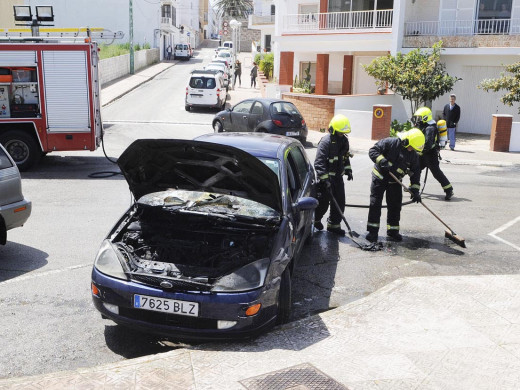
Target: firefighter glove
{"x":415,"y":195}
{"x":385,"y":164}
{"x":348,"y":172}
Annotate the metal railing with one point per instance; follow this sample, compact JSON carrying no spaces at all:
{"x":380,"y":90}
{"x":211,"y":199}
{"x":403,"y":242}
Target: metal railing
{"x":338,"y":21}
{"x":262,"y":19}
{"x":166,"y":20}
{"x":464,"y":27}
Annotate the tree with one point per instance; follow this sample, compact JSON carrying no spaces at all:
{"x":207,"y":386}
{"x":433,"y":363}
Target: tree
{"x":417,"y":76}
{"x":510,"y":83}
{"x":234,"y":8}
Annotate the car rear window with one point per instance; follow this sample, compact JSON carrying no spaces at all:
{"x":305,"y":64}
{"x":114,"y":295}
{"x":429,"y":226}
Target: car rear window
{"x":284,"y":107}
{"x":202,"y":82}
{"x":181,"y":47}
{"x":4,"y":160}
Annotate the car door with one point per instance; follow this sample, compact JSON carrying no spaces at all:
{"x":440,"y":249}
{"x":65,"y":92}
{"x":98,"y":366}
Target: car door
{"x":239,"y":117}
{"x":301,"y":182}
{"x":257,"y":113}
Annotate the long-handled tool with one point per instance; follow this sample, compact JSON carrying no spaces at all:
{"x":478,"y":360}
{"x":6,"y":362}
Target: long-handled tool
{"x":366,"y":247}
{"x":450,"y":234}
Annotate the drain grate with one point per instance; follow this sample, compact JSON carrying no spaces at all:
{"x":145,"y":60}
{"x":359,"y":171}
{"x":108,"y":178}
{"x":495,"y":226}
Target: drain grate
{"x":301,"y":377}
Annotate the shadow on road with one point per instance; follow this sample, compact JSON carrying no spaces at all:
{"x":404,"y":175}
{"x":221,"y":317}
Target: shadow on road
{"x":72,"y":167}
{"x":18,"y":259}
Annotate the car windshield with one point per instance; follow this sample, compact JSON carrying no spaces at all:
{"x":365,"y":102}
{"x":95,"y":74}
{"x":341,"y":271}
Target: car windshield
{"x":284,"y":108}
{"x":224,"y":54}
{"x":206,"y":202}
{"x":202,"y":82}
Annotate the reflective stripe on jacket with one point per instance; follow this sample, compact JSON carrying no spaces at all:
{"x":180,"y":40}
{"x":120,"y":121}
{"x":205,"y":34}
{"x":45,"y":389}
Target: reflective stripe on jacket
{"x":332,"y":156}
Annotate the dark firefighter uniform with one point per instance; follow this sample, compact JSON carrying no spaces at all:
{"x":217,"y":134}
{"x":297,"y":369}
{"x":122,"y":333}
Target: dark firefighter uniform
{"x":332,"y":162}
{"x":391,"y":155}
{"x":430,"y":156}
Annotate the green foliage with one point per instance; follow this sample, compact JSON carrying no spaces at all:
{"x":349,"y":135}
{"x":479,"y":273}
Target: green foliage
{"x":417,"y":76}
{"x":397,"y":127}
{"x":304,"y":85}
{"x":509,"y":83}
{"x":137,"y":47}
{"x":108,"y":51}
{"x":234,"y":8}
{"x":146,"y":46}
{"x":258,"y":57}
{"x":267,"y":65}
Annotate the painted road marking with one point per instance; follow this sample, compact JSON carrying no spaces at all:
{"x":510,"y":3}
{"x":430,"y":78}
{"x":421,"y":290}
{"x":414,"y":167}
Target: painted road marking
{"x":501,"y":229}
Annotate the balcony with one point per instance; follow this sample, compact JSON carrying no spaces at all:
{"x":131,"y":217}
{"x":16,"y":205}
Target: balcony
{"x":327,"y":22}
{"x":261,"y":20}
{"x":165,"y":20}
{"x":463,"y":34}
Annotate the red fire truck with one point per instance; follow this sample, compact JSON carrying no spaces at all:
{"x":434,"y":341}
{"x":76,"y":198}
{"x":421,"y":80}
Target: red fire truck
{"x":49,"y":96}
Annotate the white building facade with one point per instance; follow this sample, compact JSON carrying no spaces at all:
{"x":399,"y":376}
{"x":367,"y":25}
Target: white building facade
{"x":179,"y":24}
{"x":335,"y":38}
{"x":263,"y":18}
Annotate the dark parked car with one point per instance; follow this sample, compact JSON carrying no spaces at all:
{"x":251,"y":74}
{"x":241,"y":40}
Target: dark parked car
{"x":263,"y":116}
{"x":208,"y":248}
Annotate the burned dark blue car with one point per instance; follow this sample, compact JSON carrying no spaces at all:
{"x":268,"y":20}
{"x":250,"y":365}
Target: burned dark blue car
{"x":208,"y":247}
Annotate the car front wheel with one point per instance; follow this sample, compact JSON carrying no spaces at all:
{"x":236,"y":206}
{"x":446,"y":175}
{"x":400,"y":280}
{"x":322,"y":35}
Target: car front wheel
{"x":217,"y":126}
{"x":22,"y":147}
{"x":284,"y":298}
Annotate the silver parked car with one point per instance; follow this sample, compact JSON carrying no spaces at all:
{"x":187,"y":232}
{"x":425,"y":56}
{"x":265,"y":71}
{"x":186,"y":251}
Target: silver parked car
{"x":14,"y":208}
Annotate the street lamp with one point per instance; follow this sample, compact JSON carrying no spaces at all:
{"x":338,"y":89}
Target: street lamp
{"x":235,"y":25}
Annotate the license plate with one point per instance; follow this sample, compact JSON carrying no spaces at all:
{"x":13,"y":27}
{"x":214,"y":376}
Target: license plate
{"x":196,"y":96}
{"x":163,"y":305}
{"x":292,"y":133}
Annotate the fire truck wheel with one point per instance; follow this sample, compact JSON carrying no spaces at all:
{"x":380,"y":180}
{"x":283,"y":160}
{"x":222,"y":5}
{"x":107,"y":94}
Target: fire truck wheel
{"x":22,"y":148}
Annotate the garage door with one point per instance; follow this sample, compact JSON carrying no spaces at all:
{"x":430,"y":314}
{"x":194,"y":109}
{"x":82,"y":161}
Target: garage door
{"x":478,"y":106}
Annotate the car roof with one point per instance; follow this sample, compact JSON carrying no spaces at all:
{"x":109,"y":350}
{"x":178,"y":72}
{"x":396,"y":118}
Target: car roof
{"x":266,"y":101}
{"x":258,"y":144}
{"x":207,"y":72}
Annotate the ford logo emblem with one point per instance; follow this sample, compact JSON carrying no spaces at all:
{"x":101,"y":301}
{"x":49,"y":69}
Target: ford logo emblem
{"x":166,"y":284}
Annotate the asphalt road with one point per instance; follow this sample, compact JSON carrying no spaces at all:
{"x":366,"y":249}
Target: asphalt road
{"x":48,"y":322}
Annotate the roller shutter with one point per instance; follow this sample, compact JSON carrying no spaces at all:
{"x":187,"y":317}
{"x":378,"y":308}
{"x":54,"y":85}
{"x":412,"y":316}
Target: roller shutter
{"x":66,"y":91}
{"x":17,"y":58}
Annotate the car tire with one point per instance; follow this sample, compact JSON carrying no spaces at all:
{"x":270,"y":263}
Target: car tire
{"x":187,"y":108}
{"x":22,"y":147}
{"x":284,"y":298}
{"x":217,"y":127}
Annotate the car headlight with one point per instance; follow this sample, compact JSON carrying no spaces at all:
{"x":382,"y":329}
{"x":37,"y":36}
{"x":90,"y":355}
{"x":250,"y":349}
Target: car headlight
{"x":108,"y":261}
{"x":248,"y":277}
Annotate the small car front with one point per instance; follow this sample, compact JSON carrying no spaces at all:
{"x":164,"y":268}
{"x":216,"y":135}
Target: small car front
{"x":200,"y":253}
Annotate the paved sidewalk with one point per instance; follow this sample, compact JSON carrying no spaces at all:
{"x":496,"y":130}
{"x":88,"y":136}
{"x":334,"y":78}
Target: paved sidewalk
{"x":460,"y":332}
{"x":416,"y":333}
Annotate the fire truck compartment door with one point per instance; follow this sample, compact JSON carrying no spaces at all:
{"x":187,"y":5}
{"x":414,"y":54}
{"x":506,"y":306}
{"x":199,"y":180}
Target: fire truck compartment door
{"x":66,"y":91}
{"x":9,"y":58}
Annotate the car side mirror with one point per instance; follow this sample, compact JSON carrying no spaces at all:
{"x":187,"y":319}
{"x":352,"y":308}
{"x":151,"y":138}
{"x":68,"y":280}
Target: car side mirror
{"x":306,"y":203}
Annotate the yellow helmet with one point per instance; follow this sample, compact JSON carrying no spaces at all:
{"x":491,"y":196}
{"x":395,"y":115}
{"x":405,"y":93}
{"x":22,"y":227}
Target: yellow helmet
{"x":340,"y":123}
{"x":414,"y":138}
{"x":422,"y":115}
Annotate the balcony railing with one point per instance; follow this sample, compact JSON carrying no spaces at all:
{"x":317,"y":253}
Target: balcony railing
{"x":262,"y":19}
{"x":338,"y":21}
{"x":166,"y":20}
{"x":465,"y":27}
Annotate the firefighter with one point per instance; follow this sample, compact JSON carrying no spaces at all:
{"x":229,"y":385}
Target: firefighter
{"x":332,"y":162}
{"x":422,"y":119}
{"x":398,"y":155}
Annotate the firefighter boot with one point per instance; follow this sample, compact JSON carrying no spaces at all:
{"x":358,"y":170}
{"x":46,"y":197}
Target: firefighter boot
{"x":318,"y":225}
{"x":336,"y":229}
{"x":393,"y":235}
{"x":449,"y":194}
{"x":372,"y":236}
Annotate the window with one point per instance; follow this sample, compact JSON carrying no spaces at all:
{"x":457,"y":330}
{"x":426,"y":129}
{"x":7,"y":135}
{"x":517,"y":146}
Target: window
{"x":201,"y":82}
{"x":493,"y":16}
{"x":273,"y":9}
{"x":301,"y":164}
{"x":293,"y":178}
{"x":258,"y":109}
{"x":243,"y":107}
{"x":166,"y":11}
{"x":284,"y":107}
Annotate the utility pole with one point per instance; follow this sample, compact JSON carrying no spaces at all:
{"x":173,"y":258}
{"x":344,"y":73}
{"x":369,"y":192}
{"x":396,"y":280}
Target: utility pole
{"x":131,"y":13}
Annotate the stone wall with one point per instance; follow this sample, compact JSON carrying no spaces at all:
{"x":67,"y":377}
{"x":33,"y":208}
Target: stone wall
{"x":115,"y":67}
{"x":246,"y":35}
{"x":463,"y":41}
{"x":317,"y":110}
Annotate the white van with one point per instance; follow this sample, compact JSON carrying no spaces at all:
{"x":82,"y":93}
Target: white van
{"x":205,"y":89}
{"x":182,"y":50}
{"x":228,"y":44}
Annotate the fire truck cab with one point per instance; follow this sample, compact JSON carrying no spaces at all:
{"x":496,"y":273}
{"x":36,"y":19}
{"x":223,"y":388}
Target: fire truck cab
{"x":49,"y":98}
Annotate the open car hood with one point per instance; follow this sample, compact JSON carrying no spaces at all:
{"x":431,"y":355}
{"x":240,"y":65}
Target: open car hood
{"x":153,"y":165}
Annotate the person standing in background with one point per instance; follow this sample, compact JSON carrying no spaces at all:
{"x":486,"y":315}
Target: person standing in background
{"x":254,"y":73}
{"x":169,"y":52}
{"x":451,"y":114}
{"x":238,"y":73}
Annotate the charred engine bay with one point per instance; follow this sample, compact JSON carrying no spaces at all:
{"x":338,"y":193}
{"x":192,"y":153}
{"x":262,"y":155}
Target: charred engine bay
{"x":195,"y":249}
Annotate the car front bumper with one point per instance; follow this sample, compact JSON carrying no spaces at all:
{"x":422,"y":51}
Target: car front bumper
{"x":213,"y":307}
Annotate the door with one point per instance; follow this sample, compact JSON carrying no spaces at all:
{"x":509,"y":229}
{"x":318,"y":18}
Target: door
{"x":268,"y":42}
{"x":240,"y":116}
{"x":257,"y":114}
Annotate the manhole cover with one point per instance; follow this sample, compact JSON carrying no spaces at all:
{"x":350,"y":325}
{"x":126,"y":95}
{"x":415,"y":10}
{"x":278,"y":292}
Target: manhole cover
{"x":301,"y":377}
